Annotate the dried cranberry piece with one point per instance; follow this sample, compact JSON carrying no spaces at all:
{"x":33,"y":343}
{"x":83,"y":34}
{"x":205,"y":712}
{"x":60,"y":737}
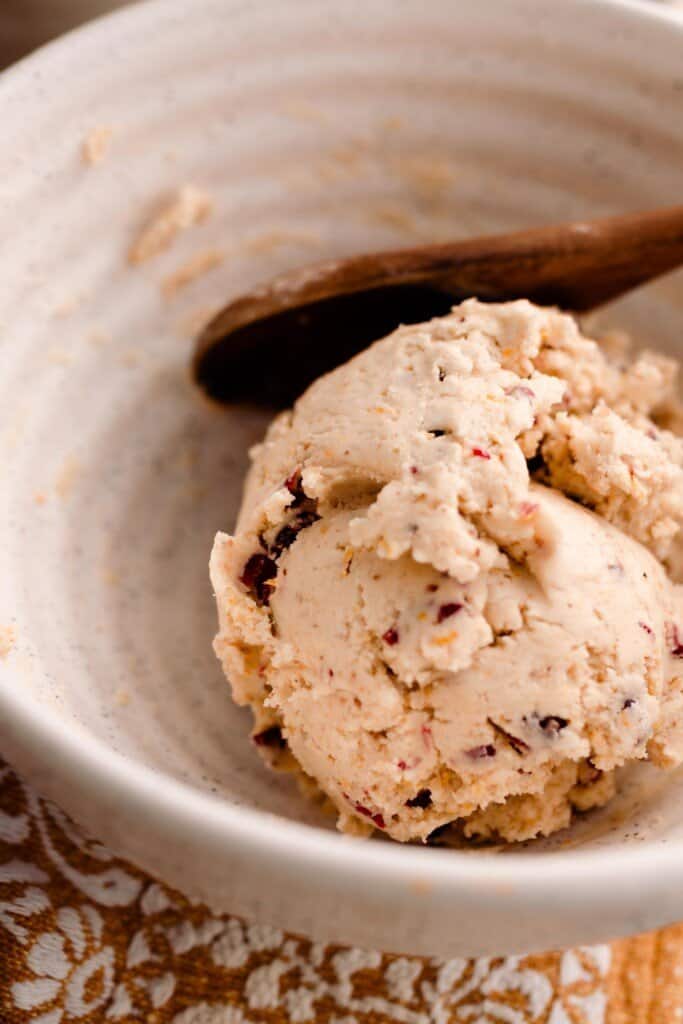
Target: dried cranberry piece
{"x":446,"y":610}
{"x":307,"y":515}
{"x":481,"y":453}
{"x":673,"y":636}
{"x":520,"y":391}
{"x":552,"y":724}
{"x":527,"y":509}
{"x":485,"y":750}
{"x":391,"y":636}
{"x":294,"y":485}
{"x":517,"y":744}
{"x":377,"y":819}
{"x":257,"y":573}
{"x":423,"y":799}
{"x":271,"y":737}
{"x":628,"y":703}
{"x":284,"y":539}
{"x":648,"y":629}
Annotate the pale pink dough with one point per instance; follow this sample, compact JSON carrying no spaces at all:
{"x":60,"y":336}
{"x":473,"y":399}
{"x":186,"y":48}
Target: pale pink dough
{"x":418,"y":603}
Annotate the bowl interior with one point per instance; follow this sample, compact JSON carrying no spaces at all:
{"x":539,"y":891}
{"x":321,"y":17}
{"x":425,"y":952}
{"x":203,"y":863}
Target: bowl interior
{"x":314,"y":130}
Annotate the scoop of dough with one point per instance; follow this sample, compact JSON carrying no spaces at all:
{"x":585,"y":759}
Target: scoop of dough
{"x":426,"y":630}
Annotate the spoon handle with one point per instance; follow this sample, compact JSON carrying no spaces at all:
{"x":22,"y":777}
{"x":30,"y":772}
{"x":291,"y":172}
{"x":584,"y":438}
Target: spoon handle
{"x":577,"y":266}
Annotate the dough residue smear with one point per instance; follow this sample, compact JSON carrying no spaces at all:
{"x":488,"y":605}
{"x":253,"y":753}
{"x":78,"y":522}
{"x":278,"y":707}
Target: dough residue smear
{"x":197,"y":267}
{"x":269,"y":241}
{"x":67,"y":477}
{"x":96,"y":145}
{"x":8,"y":638}
{"x":451,"y":597}
{"x":190,"y":206}
{"x":429,"y":176}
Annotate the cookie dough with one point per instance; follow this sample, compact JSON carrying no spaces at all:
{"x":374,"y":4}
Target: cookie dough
{"x":450,"y":593}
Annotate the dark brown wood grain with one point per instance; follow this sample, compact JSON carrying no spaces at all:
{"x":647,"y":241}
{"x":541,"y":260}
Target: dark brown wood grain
{"x":268,"y":345}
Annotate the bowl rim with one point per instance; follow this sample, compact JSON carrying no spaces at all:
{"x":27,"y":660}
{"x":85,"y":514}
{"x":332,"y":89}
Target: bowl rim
{"x":556,"y":880}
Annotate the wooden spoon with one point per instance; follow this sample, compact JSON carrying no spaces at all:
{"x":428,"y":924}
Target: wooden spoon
{"x":269,"y":344}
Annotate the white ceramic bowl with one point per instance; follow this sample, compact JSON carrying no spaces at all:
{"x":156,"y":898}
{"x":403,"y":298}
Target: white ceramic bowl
{"x":317,"y":128}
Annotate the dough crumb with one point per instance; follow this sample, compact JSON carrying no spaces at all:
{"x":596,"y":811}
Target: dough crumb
{"x":301,"y":110}
{"x":261,"y":245}
{"x":59,"y":357}
{"x":67,"y":476}
{"x":391,"y":216}
{"x":131,"y":358}
{"x":428,"y":176}
{"x":8,"y":638}
{"x":67,"y":306}
{"x":195,"y":268}
{"x":97,"y":338}
{"x":190,"y":207}
{"x":95,"y":145}
{"x":351,"y":158}
{"x":195,"y":321}
{"x":111,"y":577}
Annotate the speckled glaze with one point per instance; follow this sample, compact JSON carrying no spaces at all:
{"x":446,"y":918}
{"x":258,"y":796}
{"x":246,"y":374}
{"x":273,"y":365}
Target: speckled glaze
{"x":318,"y":129}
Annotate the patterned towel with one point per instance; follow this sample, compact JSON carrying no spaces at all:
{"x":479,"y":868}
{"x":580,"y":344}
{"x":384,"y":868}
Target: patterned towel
{"x":86,"y":938}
